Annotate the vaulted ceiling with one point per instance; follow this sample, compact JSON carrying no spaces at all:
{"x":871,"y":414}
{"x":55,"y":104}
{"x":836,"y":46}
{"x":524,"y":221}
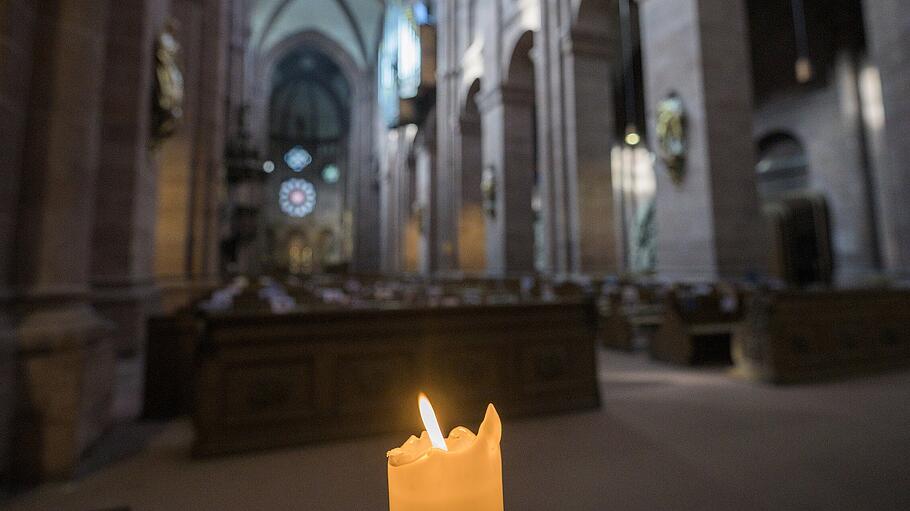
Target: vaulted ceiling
{"x":354,"y":24}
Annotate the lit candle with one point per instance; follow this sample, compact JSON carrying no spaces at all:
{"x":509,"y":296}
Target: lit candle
{"x":460,"y":473}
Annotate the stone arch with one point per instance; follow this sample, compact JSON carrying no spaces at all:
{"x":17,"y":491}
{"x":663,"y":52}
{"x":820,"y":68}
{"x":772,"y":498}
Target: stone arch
{"x":782,"y":164}
{"x":519,"y":68}
{"x":510,"y":160}
{"x":781,"y":145}
{"x":265,"y":68}
{"x":361,"y":199}
{"x":469,"y":88}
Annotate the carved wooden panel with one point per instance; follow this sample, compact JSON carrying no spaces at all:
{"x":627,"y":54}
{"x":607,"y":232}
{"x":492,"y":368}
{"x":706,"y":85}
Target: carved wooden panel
{"x":373,"y":381}
{"x":795,"y":336}
{"x":269,"y":390}
{"x":298,"y":378}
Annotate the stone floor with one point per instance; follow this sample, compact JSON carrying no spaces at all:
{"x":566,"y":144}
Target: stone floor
{"x":665,"y":438}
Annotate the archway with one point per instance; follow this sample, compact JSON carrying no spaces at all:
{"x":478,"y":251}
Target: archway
{"x":510,"y":165}
{"x":800,"y":218}
{"x":471,"y":228}
{"x":308,"y":169}
{"x":361,"y":241}
{"x":782,"y":166}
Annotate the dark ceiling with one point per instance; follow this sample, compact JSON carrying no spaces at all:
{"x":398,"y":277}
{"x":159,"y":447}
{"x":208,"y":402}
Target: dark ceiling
{"x":831,"y":26}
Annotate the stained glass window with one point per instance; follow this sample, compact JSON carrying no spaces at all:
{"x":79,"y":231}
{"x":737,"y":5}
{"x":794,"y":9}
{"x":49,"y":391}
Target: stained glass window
{"x":298,"y":158}
{"x":400,"y":55}
{"x":408,"y":55}
{"x":297,"y":197}
{"x":331,"y":174}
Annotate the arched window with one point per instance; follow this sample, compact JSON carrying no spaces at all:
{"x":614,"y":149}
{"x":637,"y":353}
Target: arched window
{"x":782,"y":165}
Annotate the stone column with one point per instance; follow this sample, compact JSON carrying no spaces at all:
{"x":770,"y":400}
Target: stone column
{"x":123,"y":236}
{"x":508,"y":152}
{"x":364,"y":185}
{"x":66,"y":360}
{"x":17,"y":24}
{"x":710,"y":226}
{"x":177,"y":163}
{"x":211,"y":132}
{"x":548,"y":59}
{"x":471,"y":223}
{"x":443,"y":208}
{"x":424,"y":192}
{"x":888,"y":36}
{"x":191,"y":169}
{"x":394,"y":204}
{"x":590,"y":114}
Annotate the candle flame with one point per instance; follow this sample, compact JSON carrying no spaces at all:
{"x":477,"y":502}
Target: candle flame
{"x":430,"y":423}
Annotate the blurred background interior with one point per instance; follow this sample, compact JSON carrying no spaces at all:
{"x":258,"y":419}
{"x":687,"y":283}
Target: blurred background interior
{"x":664,"y":237}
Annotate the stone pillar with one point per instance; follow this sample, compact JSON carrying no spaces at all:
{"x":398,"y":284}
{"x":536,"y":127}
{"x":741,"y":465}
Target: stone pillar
{"x":590,"y":114}
{"x":888,"y":36}
{"x":123,"y":236}
{"x":190,"y":163}
{"x":17,"y":24}
{"x":66,"y":360}
{"x":364,"y":179}
{"x":443,"y":205}
{"x":395,"y":206}
{"x":471,"y":218}
{"x":211,"y":132}
{"x":551,"y":118}
{"x":177,"y":162}
{"x":508,"y":152}
{"x":424,"y":192}
{"x":710,"y":226}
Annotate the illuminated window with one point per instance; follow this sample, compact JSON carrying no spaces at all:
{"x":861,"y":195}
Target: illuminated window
{"x":297,"y":197}
{"x":298,"y":158}
{"x":421,"y":13}
{"x":408,"y":56}
{"x":400,"y":53}
{"x":331,"y":174}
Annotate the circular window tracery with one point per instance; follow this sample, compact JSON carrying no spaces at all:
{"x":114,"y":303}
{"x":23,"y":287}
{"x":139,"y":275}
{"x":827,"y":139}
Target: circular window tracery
{"x":297,"y":197}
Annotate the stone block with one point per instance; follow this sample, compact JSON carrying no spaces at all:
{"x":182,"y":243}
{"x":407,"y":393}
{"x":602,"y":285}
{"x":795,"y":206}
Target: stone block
{"x":64,"y":396}
{"x":7,"y":403}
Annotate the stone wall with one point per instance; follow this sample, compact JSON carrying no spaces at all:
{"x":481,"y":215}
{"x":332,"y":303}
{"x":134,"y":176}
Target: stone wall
{"x":190,"y":173}
{"x":826,"y":121}
{"x":124,"y":225}
{"x":888,"y":29}
{"x":709,"y":225}
{"x":17,"y":22}
{"x":62,"y":341}
{"x":76,"y":270}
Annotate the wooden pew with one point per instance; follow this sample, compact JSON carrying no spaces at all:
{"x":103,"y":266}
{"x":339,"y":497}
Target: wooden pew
{"x":267,"y":381}
{"x":614,"y":329}
{"x":170,"y":354}
{"x":794,"y":336}
{"x":697,"y":325}
{"x":629,"y":312}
